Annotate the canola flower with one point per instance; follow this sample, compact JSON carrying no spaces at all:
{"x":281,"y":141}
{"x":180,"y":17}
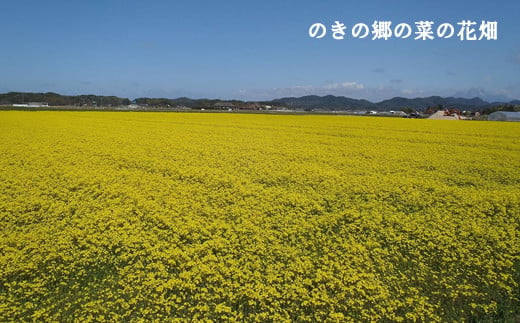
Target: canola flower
{"x":108,"y":216}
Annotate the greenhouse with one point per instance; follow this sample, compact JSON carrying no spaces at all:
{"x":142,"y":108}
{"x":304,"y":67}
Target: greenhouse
{"x":504,"y":116}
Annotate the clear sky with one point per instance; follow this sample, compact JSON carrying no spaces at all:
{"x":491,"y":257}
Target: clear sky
{"x":253,"y":50}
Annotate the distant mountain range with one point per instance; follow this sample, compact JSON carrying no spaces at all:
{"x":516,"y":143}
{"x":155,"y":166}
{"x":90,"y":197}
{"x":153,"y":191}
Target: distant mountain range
{"x":310,"y":102}
{"x":54,"y":99}
{"x":331,"y":102}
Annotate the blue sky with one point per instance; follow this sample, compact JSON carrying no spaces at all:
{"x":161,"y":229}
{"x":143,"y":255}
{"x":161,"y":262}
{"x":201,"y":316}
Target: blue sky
{"x":252,"y":50}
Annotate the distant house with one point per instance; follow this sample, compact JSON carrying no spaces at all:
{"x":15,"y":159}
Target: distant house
{"x":224,"y":105}
{"x":504,"y":116}
{"x":251,"y":106}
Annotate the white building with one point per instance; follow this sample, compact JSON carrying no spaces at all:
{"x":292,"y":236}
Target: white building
{"x":32,"y":105}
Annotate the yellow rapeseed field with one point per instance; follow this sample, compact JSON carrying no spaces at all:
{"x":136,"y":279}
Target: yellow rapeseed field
{"x":128,"y":216}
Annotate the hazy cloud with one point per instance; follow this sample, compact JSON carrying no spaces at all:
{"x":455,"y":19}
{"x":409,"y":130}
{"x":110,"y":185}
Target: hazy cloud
{"x":378,"y":70}
{"x":344,"y":85}
{"x":501,"y":95}
{"x":396,"y":81}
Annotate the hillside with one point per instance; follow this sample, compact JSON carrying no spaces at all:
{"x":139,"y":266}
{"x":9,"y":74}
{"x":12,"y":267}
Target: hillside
{"x":310,"y":102}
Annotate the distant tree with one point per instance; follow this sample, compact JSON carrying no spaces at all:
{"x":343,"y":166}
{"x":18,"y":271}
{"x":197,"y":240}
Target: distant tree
{"x":407,"y":110}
